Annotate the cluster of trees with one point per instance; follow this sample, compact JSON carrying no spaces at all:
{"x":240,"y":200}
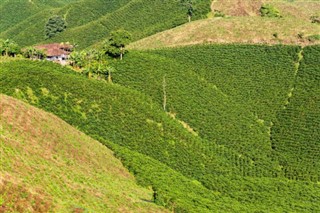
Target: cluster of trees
{"x":94,"y":63}
{"x":91,"y":63}
{"x":10,"y":48}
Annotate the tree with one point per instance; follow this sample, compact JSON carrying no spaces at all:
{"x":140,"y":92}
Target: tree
{"x":54,"y":25}
{"x":78,"y":59}
{"x":33,"y":53}
{"x":190,"y":10}
{"x":115,"y":45}
{"x":9,"y":48}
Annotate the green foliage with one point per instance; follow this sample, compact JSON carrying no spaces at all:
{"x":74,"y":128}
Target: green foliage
{"x":55,"y":25}
{"x":314,"y":38}
{"x":268,"y":10}
{"x":229,"y":165}
{"x":296,"y":135}
{"x":115,"y":45}
{"x":33,"y":53}
{"x":91,"y":63}
{"x":140,"y":18}
{"x":232,"y":113}
{"x":85,"y":11}
{"x":9,"y":48}
{"x":14,"y":12}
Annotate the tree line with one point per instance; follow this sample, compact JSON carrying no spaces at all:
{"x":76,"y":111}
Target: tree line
{"x":90,"y":62}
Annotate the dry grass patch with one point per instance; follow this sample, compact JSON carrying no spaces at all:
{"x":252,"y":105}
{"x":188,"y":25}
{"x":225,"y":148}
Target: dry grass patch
{"x":243,"y":25}
{"x":73,"y":172}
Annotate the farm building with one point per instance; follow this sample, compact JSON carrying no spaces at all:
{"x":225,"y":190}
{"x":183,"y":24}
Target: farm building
{"x":56,"y":52}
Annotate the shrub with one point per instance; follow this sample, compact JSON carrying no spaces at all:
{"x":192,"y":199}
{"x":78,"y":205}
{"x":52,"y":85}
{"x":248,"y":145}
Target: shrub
{"x":268,"y":10}
{"x":315,"y":19}
{"x":218,"y":13}
{"x":314,"y":38}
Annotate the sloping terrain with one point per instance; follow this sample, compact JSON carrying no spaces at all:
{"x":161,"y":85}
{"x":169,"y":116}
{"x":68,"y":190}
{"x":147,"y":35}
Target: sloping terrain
{"x":257,"y":81}
{"x":9,"y":8}
{"x":243,"y":25}
{"x":89,"y":22}
{"x":48,"y":166}
{"x":227,"y":94}
{"x":172,"y":149}
{"x":296,"y":135}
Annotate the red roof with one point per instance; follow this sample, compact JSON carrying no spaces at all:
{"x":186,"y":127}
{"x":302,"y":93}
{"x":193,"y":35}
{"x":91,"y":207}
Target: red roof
{"x":55,"y":49}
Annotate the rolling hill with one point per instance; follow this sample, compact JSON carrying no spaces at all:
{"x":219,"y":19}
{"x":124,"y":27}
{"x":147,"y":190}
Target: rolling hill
{"x":242,"y":24}
{"x":141,"y":18}
{"x":226,"y":156}
{"x":217,"y":115}
{"x":47,"y":165}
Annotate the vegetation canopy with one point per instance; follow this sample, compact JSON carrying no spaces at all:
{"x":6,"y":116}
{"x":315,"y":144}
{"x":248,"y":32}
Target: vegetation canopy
{"x":116,"y":43}
{"x":55,"y":25}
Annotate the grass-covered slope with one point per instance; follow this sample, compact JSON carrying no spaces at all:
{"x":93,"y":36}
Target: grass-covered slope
{"x":188,"y":172}
{"x":89,"y":22}
{"x":296,"y":135}
{"x":49,"y":166}
{"x":243,"y":24}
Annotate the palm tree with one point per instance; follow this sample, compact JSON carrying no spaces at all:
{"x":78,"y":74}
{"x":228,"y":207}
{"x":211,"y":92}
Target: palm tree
{"x":9,"y":48}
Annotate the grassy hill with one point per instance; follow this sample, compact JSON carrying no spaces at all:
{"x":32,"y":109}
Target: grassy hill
{"x":198,"y":159}
{"x":90,"y":22}
{"x":49,"y":166}
{"x":243,"y":24}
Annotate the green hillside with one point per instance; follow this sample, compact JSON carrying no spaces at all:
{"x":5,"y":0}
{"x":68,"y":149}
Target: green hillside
{"x":242,"y":91}
{"x":296,"y":136}
{"x":214,"y":107}
{"x":227,"y":164}
{"x":227,"y":101}
{"x":9,"y":8}
{"x":89,"y":22}
{"x":49,"y":166}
